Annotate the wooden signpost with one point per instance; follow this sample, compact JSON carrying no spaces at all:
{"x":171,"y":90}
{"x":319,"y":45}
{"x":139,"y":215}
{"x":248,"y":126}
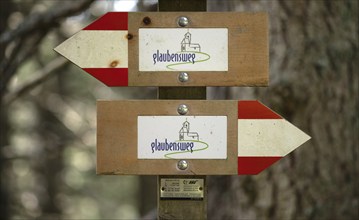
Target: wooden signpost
{"x":152,"y":49}
{"x":229,"y":137}
{"x":182,"y":138}
{"x":189,"y":208}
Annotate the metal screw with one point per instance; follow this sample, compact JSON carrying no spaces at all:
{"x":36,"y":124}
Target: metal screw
{"x":146,"y":20}
{"x":183,"y":77}
{"x":129,"y":36}
{"x":183,"y":21}
{"x":182,"y":109}
{"x":182,"y":165}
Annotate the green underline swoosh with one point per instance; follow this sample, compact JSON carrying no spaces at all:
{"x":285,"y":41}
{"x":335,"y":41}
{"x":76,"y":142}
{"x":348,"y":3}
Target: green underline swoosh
{"x":197,"y":61}
{"x":184,"y":152}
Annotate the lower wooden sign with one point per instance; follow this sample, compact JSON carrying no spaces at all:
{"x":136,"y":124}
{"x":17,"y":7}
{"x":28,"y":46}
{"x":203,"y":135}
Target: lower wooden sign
{"x":191,"y":137}
{"x":150,"y":137}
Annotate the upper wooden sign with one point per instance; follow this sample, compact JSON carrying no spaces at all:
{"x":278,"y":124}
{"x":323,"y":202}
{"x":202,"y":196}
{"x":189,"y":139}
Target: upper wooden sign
{"x":152,"y":49}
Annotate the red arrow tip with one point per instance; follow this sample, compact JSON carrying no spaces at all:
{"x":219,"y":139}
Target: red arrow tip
{"x":254,"y":165}
{"x":111,"y":21}
{"x":255,"y":110}
{"x":110,"y":76}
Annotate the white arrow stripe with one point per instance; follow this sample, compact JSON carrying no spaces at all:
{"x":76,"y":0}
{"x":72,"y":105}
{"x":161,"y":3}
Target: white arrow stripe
{"x":96,"y":49}
{"x":268,"y":137}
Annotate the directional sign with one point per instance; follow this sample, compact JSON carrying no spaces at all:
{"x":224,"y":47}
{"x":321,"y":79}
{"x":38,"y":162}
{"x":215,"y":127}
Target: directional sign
{"x":151,"y":49}
{"x":214,"y":137}
{"x":264,"y":137}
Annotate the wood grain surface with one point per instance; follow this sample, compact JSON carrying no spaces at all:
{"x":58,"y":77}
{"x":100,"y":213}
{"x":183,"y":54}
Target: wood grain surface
{"x":117,"y":137}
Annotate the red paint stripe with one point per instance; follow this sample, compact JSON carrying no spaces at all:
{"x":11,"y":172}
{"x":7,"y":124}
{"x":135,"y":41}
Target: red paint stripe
{"x":111,"y":21}
{"x":254,"y":165}
{"x":255,"y":110}
{"x":110,"y":76}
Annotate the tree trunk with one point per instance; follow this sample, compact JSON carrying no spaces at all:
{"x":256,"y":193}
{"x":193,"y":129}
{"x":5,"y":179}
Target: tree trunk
{"x":6,"y":8}
{"x":21,"y":44}
{"x":314,"y":85}
{"x":4,"y":141}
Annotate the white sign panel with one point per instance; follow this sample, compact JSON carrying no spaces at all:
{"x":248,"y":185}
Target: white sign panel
{"x":182,"y":137}
{"x":183,"y":49}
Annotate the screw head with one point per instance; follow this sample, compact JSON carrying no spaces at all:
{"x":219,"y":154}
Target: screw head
{"x":182,"y":165}
{"x":183,"y":77}
{"x":183,"y":21}
{"x":182,"y":109}
{"x":146,"y":20}
{"x":129,"y":36}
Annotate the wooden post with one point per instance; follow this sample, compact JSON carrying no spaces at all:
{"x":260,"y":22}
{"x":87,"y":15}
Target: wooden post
{"x":176,"y":208}
{"x":182,"y":208}
{"x":182,"y":92}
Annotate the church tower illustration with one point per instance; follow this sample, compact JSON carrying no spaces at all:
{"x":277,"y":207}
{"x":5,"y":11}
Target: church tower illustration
{"x":188,"y":46}
{"x":185,"y":134}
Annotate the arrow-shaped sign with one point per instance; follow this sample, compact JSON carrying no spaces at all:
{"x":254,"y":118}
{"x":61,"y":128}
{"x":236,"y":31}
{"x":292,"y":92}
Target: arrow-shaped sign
{"x":151,"y":49}
{"x":227,"y":137}
{"x":101,"y":49}
{"x":264,"y":137}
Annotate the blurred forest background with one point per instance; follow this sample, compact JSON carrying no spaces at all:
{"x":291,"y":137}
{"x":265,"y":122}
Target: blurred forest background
{"x":48,"y":117}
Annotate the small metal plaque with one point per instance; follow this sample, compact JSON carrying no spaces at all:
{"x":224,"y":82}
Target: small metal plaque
{"x":182,"y":188}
